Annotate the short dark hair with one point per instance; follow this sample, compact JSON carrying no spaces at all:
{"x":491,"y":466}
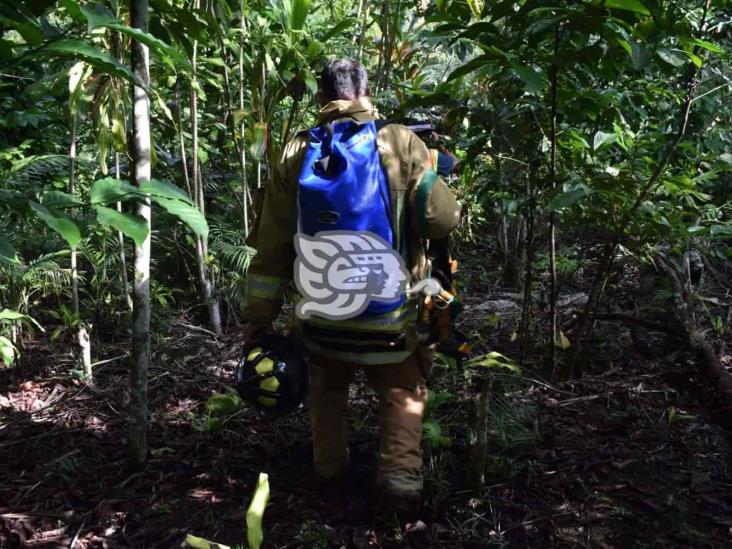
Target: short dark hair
{"x":343,"y":79}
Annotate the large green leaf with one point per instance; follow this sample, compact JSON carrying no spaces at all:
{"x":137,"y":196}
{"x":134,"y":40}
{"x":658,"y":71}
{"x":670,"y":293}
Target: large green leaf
{"x":627,"y":5}
{"x":675,"y":58}
{"x":7,"y":252}
{"x":562,"y":200}
{"x":97,"y":15}
{"x":187,"y":213}
{"x":131,"y":225}
{"x":472,"y":65}
{"x":493,"y":359}
{"x":169,"y":54}
{"x":8,"y":351}
{"x":338,"y":28}
{"x":163,"y":189}
{"x":58,"y":199}
{"x":100,"y":16}
{"x":109,"y":190}
{"x":59,"y":222}
{"x":176,"y":202}
{"x":202,"y":543}
{"x":15,"y":316}
{"x":100,"y":60}
{"x":709,"y":46}
{"x":532,"y":79}
{"x":72,"y":8}
{"x":603,"y":138}
{"x":296,"y":12}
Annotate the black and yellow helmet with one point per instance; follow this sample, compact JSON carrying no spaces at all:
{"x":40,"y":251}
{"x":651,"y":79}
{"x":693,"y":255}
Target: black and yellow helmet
{"x":273,"y":375}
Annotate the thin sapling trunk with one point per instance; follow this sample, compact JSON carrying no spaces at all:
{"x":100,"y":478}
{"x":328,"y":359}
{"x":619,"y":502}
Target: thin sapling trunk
{"x":140,"y":146}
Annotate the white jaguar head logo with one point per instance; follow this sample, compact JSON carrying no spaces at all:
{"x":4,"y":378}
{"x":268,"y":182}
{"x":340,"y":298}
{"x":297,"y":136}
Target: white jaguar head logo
{"x":339,"y":273}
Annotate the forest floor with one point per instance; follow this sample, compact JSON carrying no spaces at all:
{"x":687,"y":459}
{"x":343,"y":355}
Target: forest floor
{"x":629,"y":455}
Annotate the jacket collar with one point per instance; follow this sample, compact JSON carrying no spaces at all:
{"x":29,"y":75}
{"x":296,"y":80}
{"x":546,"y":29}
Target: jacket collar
{"x":359,"y":110}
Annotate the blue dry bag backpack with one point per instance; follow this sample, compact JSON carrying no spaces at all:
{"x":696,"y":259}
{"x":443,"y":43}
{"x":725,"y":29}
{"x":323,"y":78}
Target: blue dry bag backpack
{"x":343,"y":187}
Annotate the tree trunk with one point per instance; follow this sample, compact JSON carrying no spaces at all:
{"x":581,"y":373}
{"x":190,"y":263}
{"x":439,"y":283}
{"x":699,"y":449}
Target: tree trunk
{"x":140,"y":154}
{"x":684,"y":312}
{"x":390,"y":44}
{"x":362,"y":34}
{"x":116,"y":51}
{"x":358,"y":21}
{"x":82,"y":334}
{"x":554,"y":337}
{"x":242,"y":129}
{"x":121,"y":239}
{"x":527,"y":310}
{"x":205,"y":277}
{"x":382,"y":46}
{"x":479,"y":436}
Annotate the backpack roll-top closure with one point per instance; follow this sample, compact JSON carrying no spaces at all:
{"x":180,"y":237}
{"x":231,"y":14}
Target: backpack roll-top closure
{"x":342,"y":184}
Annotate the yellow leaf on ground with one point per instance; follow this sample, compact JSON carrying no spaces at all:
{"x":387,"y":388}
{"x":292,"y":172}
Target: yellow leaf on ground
{"x":561,"y":341}
{"x":200,"y":543}
{"x":255,"y":535}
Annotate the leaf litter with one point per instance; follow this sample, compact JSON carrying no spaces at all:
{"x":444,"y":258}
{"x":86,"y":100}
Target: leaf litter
{"x":626,"y":456}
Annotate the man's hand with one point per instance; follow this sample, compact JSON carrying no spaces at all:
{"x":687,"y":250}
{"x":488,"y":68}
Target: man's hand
{"x":253,"y":333}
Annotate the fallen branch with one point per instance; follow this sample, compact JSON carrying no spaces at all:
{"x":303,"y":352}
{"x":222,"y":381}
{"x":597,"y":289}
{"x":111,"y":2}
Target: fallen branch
{"x":684,"y":312}
{"x":195,"y":328}
{"x":628,"y":319}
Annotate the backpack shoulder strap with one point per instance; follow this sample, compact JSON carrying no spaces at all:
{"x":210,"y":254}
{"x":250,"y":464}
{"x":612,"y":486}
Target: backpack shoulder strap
{"x":381,"y":123}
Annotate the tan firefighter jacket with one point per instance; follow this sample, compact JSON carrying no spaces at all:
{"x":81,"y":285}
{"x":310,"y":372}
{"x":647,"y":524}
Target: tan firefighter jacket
{"x":414,"y":189}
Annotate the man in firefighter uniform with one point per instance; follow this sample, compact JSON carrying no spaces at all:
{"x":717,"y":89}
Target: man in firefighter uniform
{"x":385,"y":346}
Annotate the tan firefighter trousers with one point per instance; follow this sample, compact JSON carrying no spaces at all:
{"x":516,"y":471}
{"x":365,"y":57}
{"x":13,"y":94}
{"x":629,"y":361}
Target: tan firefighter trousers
{"x":402,"y":392}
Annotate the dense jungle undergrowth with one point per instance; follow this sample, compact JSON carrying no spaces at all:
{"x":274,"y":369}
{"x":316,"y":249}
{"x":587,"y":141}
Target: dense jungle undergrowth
{"x":595,"y":147}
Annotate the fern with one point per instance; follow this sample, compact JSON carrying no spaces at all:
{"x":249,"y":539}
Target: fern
{"x":37,"y":169}
{"x":42,"y":275}
{"x":230,"y":247}
{"x":510,"y":420}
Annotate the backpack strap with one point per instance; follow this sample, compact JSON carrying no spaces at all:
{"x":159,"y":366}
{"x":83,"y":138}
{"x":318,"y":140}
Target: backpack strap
{"x":381,"y":123}
{"x":420,"y":203}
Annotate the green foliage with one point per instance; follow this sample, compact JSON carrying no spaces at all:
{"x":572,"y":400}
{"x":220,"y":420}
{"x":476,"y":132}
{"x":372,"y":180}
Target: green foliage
{"x":493,"y":359}
{"x":130,"y":225}
{"x":101,"y":17}
{"x":9,"y":323}
{"x":100,"y":60}
{"x":7,"y":252}
{"x":481,"y":71}
{"x":23,"y":284}
{"x":59,"y":222}
{"x":169,"y":197}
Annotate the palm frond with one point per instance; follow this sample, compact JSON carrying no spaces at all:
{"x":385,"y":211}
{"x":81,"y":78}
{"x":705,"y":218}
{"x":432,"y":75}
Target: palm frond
{"x":37,"y":168}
